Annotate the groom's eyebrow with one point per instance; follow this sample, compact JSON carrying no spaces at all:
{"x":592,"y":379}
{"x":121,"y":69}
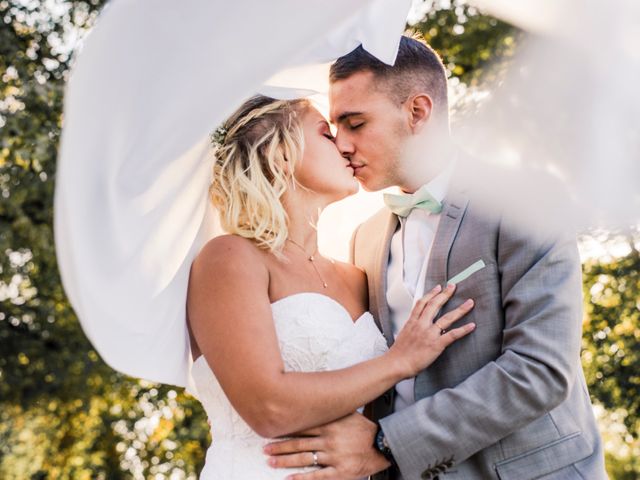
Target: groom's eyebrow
{"x":344,"y":116}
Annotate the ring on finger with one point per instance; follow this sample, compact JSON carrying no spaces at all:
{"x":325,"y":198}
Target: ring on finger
{"x":442,"y":330}
{"x":315,"y":459}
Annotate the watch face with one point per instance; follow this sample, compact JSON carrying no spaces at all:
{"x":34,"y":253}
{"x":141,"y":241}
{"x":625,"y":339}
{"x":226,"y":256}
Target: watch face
{"x":381,"y":441}
{"x":385,"y":443}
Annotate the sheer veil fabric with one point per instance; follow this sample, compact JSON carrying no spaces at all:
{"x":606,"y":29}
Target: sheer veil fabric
{"x":151,"y":81}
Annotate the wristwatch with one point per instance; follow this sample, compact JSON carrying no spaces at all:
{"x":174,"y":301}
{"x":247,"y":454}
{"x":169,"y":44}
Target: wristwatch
{"x":382,"y":446}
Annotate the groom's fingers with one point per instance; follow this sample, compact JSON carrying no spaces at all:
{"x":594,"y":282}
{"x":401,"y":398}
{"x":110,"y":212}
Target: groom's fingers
{"x":296,"y":460}
{"x":311,"y":432}
{"x":294,"y":445}
{"x":322,"y":474}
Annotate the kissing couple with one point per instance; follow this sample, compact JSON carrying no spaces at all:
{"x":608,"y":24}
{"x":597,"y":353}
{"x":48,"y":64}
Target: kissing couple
{"x":448,"y":348}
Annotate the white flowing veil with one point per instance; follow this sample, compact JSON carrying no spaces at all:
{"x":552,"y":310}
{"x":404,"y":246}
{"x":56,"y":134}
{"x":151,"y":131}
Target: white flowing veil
{"x":151,"y":81}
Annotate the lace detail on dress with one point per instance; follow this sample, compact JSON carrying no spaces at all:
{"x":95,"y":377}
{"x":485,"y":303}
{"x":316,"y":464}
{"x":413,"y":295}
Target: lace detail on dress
{"x":315,"y":333}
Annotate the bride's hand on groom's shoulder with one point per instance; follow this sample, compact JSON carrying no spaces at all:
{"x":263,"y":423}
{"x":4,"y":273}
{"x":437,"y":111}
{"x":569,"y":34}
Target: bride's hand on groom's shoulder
{"x":344,"y":450}
{"x":421,"y":340}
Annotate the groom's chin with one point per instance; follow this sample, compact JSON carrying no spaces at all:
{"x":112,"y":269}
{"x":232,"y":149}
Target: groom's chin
{"x":367,"y":187}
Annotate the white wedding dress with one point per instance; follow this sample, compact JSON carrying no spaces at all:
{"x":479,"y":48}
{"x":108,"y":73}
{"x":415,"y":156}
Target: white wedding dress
{"x":315,"y":333}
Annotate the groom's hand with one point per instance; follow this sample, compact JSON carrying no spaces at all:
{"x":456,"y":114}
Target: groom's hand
{"x":344,"y":449}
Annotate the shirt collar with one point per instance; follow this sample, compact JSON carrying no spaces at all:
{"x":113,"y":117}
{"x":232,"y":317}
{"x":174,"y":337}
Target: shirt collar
{"x":439,"y":186}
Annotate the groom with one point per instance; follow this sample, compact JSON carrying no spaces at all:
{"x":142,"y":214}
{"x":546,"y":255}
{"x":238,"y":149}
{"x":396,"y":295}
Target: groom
{"x":510,"y":400}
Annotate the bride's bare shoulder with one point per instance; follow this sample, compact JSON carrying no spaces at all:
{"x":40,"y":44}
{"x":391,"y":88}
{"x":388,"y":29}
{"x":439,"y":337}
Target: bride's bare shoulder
{"x":228,"y":252}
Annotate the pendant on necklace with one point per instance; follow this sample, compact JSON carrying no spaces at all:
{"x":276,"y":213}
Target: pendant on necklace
{"x":311,"y":258}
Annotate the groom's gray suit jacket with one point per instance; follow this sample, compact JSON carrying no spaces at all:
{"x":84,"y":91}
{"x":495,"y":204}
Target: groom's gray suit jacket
{"x":509,"y":401}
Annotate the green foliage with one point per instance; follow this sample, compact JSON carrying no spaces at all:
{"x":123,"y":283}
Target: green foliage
{"x":473,"y":46}
{"x":128,"y":429}
{"x":63,"y":412}
{"x":611,"y":354}
{"x":611,"y":335}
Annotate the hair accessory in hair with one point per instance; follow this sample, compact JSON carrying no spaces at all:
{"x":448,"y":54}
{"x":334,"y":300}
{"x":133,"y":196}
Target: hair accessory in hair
{"x":219,"y":136}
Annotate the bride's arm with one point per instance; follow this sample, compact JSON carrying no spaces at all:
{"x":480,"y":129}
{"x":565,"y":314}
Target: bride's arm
{"x":230,"y":314}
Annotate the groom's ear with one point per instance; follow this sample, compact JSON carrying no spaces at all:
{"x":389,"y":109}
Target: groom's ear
{"x":420,"y":108}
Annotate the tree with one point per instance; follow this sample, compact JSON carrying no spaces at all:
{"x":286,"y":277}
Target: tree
{"x":475,"y":47}
{"x":611,"y":348}
{"x":63,"y":412}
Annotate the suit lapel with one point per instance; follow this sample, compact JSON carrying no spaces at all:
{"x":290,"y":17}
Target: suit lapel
{"x":380,"y":277}
{"x":455,"y":205}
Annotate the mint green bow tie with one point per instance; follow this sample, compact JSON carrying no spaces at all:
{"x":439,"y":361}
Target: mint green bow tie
{"x":402,"y":204}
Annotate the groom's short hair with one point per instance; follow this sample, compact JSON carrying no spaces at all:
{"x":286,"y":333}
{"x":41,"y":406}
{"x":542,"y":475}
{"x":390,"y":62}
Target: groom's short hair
{"x":418,"y":67}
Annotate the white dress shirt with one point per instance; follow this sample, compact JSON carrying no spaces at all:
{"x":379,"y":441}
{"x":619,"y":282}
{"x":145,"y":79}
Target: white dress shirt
{"x":407,"y":269}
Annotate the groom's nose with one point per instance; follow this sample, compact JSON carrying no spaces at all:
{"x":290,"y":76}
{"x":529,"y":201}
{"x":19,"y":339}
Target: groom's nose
{"x":345,"y":146}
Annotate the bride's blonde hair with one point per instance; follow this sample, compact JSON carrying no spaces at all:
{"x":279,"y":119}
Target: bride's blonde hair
{"x":249,"y":175}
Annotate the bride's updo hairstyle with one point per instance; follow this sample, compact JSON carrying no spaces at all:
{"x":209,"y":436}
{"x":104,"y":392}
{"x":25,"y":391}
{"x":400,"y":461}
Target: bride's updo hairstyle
{"x":249,"y":174}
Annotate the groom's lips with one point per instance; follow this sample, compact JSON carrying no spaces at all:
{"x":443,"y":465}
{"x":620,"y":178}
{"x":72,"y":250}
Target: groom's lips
{"x":356,"y":168}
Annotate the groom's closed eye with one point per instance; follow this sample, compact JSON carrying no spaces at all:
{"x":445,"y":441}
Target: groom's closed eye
{"x":348,"y":118}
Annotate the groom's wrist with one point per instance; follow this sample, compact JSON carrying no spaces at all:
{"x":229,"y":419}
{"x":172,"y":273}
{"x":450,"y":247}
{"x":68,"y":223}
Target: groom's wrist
{"x":380,"y":443}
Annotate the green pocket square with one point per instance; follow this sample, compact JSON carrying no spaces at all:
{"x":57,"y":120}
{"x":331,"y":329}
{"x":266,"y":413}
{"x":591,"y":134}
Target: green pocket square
{"x":479,"y":265}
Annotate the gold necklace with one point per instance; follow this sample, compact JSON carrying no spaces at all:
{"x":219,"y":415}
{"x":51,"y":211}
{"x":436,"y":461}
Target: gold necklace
{"x":312,"y":259}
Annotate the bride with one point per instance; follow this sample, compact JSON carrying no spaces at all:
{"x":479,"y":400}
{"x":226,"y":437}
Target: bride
{"x":280,"y":335}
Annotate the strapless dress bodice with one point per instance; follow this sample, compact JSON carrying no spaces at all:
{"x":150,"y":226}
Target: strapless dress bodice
{"x":315,"y":333}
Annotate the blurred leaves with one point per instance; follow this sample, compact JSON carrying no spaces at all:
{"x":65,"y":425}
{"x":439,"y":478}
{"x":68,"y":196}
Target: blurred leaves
{"x":474,"y":47}
{"x":64,"y":413}
{"x":611,"y":352}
